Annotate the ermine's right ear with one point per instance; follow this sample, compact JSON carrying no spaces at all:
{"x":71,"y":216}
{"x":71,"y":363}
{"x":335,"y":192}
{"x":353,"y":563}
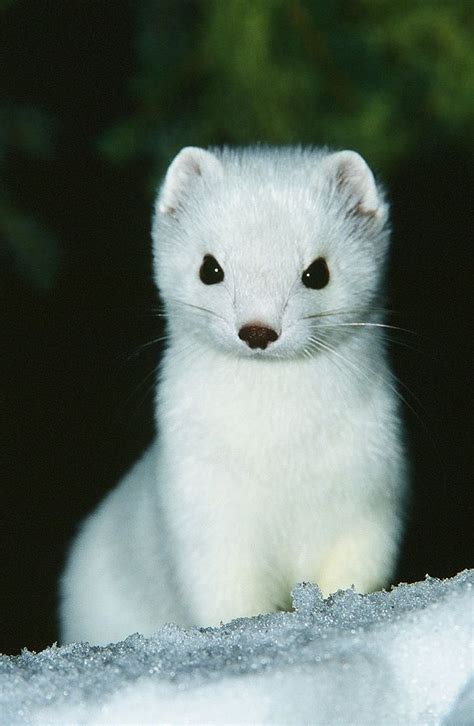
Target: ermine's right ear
{"x":184,"y":171}
{"x":355,"y":180}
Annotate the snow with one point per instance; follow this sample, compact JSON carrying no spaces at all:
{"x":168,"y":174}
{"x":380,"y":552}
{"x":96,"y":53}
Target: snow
{"x":399,"y":657}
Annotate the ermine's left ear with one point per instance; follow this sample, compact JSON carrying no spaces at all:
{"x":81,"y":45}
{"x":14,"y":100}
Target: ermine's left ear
{"x":184,"y":171}
{"x":354,"y":179}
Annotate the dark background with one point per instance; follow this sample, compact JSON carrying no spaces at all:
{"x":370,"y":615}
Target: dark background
{"x":96,"y":97}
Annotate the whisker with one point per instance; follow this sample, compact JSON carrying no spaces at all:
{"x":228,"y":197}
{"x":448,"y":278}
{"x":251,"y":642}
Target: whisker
{"x":394,"y":388}
{"x":369,"y":325}
{"x":392,"y":340}
{"x":320,"y":345}
{"x":148,"y":390}
{"x":144,"y":380}
{"x":184,"y":353}
{"x":324,"y":345}
{"x":124,"y":358}
{"x":155,"y":341}
{"x":380,"y":327}
{"x":349,"y":311}
{"x":197,"y":307}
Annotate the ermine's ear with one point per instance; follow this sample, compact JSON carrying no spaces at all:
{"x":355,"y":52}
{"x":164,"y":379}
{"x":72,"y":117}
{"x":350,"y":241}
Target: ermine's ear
{"x":356,"y":181}
{"x":187,"y":167}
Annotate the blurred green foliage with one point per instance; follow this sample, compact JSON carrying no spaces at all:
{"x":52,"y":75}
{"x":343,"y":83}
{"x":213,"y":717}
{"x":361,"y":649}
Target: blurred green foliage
{"x":379,"y":76}
{"x":376,"y":75}
{"x":34,"y":248}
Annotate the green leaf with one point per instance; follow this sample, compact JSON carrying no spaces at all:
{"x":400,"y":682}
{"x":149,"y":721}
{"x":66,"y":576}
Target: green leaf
{"x":34,"y":249}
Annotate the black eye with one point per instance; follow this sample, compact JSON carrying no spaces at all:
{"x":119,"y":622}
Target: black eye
{"x":210,"y":271}
{"x":316,"y":275}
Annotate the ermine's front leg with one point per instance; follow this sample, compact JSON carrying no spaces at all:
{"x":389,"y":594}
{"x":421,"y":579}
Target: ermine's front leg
{"x":364,"y":557}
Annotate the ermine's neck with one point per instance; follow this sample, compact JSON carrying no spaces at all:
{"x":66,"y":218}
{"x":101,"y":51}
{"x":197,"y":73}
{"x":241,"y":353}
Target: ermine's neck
{"x":195,"y":375}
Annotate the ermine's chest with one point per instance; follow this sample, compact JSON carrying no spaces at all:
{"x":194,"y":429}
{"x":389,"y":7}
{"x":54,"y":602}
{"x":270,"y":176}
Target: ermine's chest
{"x":266,"y":429}
{"x":275,"y":436}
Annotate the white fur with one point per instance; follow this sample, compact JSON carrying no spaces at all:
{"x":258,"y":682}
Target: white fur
{"x":270,"y":466}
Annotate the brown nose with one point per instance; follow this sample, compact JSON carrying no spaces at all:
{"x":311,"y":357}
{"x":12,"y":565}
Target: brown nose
{"x":256,"y":336}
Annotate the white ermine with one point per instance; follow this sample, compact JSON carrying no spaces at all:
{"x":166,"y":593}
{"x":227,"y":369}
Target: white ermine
{"x":278,"y":457}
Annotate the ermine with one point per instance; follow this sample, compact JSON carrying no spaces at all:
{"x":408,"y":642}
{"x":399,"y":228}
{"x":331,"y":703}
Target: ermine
{"x":279,"y":454}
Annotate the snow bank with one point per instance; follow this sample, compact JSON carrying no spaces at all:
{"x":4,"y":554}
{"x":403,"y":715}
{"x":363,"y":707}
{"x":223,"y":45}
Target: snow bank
{"x":404,"y":657}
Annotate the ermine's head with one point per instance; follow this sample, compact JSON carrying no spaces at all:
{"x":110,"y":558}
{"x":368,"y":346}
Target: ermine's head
{"x":257,"y":249}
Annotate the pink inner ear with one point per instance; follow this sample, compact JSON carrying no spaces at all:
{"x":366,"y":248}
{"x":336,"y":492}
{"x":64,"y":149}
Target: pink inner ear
{"x":355,"y":177}
{"x":195,"y":167}
{"x":190,"y":163}
{"x":359,"y":210}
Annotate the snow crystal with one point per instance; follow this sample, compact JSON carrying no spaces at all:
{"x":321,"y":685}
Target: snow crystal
{"x":399,"y":657}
